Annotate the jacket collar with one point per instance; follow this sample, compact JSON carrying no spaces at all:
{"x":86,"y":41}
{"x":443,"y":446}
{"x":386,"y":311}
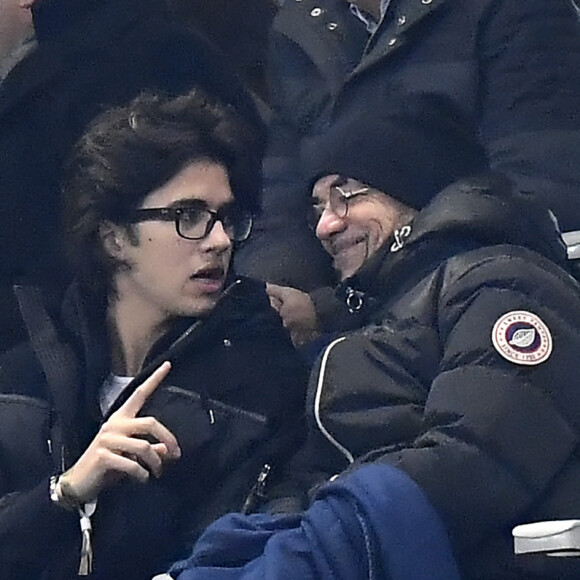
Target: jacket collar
{"x":469,"y":214}
{"x":74,"y":354}
{"x":59,"y":363}
{"x":186,"y":331}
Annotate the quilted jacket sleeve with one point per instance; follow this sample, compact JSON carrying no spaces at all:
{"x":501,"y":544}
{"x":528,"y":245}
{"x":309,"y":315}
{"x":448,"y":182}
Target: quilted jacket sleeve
{"x":33,"y":530}
{"x":499,"y":435}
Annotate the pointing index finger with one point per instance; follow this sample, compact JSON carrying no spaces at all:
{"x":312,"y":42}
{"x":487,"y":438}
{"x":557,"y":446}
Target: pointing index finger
{"x":274,"y":290}
{"x":133,"y":404}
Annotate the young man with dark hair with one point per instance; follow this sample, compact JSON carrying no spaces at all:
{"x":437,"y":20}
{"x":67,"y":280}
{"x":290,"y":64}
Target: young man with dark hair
{"x":89,"y":56}
{"x":166,"y":388}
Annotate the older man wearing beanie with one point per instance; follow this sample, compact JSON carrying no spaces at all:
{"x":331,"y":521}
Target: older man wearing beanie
{"x":461,"y":375}
{"x":405,"y":160}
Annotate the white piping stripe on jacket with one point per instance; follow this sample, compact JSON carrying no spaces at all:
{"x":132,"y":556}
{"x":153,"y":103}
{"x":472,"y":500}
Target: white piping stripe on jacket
{"x":332,"y":440}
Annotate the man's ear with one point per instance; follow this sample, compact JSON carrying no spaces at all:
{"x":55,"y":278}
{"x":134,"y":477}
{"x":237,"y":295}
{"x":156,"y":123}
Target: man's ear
{"x":113,"y":239}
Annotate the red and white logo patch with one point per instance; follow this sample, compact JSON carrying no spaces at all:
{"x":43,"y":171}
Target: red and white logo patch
{"x":522,"y":338}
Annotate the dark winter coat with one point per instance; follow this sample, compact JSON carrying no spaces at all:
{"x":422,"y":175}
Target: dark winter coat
{"x":305,"y":69}
{"x":491,"y":438}
{"x":91,"y":55}
{"x":512,"y":66}
{"x":233,"y":399}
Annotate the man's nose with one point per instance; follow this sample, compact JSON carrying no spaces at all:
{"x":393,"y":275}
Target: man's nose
{"x":218,"y":239}
{"x":329,"y":224}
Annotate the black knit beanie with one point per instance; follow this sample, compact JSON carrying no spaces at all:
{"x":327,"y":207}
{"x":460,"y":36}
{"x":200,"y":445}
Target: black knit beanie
{"x":410,"y":150}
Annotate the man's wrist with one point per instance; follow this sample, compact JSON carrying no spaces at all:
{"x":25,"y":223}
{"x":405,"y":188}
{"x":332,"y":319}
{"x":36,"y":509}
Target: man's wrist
{"x":62,"y":494}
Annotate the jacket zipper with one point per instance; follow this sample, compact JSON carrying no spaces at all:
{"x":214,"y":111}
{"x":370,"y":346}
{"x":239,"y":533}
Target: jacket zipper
{"x":219,"y":405}
{"x":188,"y":332}
{"x":257,"y":493}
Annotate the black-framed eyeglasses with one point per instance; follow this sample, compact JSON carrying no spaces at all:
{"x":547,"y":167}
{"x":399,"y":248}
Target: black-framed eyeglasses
{"x":196,"y":222}
{"x":339,"y":198}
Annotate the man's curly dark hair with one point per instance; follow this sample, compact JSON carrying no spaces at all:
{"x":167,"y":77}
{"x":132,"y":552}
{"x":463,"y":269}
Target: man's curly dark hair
{"x":128,"y":152}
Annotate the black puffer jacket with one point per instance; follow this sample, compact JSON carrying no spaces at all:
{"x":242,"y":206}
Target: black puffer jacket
{"x":233,"y":399}
{"x":491,"y":438}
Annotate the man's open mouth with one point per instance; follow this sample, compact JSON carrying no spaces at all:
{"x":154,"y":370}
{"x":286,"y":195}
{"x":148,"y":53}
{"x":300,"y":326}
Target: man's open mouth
{"x":211,"y":273}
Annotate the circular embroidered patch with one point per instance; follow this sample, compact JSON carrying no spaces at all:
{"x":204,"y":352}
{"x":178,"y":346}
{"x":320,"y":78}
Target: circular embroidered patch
{"x":522,"y":338}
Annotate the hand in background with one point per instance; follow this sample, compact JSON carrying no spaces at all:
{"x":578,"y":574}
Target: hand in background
{"x":297,"y":312}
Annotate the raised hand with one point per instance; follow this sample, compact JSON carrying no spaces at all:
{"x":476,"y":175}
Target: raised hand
{"x":121,"y":447}
{"x":297,"y":312}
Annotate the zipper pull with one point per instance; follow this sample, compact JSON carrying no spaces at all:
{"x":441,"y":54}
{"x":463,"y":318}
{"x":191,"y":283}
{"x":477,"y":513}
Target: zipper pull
{"x":261,"y":483}
{"x":400,"y":237}
{"x":85,"y":513}
{"x":207,"y":408}
{"x":257,"y":491}
{"x":354,"y":300}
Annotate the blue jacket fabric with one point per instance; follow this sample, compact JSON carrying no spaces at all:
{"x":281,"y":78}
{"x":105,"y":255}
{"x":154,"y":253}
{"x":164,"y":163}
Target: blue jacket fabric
{"x":372,"y":523}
